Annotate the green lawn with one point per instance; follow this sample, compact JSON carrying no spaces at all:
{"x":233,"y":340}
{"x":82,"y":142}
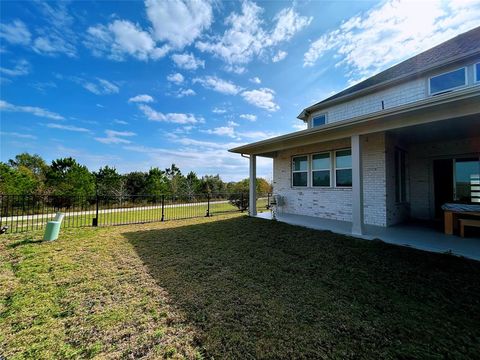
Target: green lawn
{"x":232,"y":287}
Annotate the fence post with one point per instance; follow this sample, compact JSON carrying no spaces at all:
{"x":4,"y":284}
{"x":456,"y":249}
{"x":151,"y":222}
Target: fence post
{"x":163,"y":208}
{"x":268,"y":201}
{"x":95,"y":219}
{"x":208,"y":206}
{"x":242,"y":209}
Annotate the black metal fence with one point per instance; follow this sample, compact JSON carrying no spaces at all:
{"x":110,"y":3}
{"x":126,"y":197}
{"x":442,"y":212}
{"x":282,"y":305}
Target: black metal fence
{"x":31,"y":212}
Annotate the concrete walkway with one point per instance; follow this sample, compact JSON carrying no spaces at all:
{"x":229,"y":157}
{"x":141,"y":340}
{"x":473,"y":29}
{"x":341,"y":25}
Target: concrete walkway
{"x":412,"y":235}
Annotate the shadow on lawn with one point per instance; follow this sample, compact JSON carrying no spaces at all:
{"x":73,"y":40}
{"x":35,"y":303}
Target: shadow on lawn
{"x":23,"y":242}
{"x":261,"y":289}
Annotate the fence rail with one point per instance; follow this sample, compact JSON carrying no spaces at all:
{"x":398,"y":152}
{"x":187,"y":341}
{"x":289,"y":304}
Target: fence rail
{"x":21,"y":213}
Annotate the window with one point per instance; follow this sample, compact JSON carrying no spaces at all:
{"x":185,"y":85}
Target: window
{"x":477,"y":72}
{"x":447,"y":81}
{"x":400,"y":176}
{"x":300,"y":171}
{"x":467,"y":180}
{"x":321,"y":169}
{"x":319,"y":120}
{"x":343,"y":168}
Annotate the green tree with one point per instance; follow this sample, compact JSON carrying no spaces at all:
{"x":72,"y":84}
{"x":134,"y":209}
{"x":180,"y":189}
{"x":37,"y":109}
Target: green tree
{"x":136,"y":183}
{"x":176,"y":180}
{"x":212,"y":184}
{"x":192,"y":184}
{"x":15,"y":181}
{"x":32,"y":166}
{"x":157,"y":182}
{"x":67,"y":177}
{"x":110,"y":182}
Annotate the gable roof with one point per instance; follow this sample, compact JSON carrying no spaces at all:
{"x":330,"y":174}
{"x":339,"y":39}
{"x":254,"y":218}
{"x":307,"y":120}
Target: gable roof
{"x":464,"y":44}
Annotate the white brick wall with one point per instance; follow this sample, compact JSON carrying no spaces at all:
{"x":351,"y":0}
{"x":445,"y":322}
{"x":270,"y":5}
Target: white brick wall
{"x":335,"y":203}
{"x":394,"y":96}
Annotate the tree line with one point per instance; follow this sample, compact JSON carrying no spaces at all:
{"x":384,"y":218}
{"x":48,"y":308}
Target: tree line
{"x":29,"y":174}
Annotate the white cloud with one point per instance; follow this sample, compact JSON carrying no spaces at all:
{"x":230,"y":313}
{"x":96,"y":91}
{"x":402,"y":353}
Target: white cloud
{"x":101,"y":87}
{"x":18,"y":135}
{"x":178,"y":22}
{"x":279,"y":56}
{"x":263,"y":98}
{"x":121,"y":38}
{"x":391,"y":32}
{"x":217,"y":110}
{"x":300,"y":125}
{"x":15,"y":33}
{"x":249,"y":117}
{"x":115,"y":137}
{"x":222,"y":131}
{"x":176,"y":78}
{"x":185,"y":92}
{"x":257,"y":135}
{"x":121,"y":122}
{"x":255,"y":80}
{"x":289,"y":22}
{"x":22,"y":67}
{"x":66,"y":127}
{"x":177,"y":118}
{"x":144,"y":98}
{"x":187,"y":61}
{"x":36,"y":111}
{"x":57,"y":37}
{"x":246,"y":37}
{"x":216,"y":84}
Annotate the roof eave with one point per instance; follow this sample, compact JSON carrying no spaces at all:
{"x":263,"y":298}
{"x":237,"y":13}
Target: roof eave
{"x":326,"y":103}
{"x":432,"y":101}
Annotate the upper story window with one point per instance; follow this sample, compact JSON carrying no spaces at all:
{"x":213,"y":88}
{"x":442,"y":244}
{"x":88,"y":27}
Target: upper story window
{"x":477,"y":72}
{"x":319,"y":120}
{"x":300,"y":170}
{"x":343,"y":168}
{"x":447,"y":81}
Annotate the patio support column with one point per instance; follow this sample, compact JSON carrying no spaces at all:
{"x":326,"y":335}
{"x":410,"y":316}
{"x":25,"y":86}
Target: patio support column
{"x":357,"y":186}
{"x":252,"y":200}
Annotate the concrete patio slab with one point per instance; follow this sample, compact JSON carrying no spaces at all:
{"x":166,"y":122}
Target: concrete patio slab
{"x":412,"y":235}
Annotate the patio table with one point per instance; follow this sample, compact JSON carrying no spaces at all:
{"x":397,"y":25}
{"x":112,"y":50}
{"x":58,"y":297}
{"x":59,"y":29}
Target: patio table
{"x":453,"y":211}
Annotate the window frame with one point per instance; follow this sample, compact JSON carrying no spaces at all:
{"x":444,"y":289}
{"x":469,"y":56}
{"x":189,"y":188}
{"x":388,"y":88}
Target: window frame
{"x":476,"y":73}
{"x":318,"y":115}
{"x":329,"y":169}
{"x":293,"y":171}
{"x":465,"y":70}
{"x":335,"y":168}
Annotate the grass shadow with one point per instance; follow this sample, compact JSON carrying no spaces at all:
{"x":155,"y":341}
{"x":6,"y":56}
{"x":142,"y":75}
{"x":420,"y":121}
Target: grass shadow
{"x":23,"y":242}
{"x":262,"y":289}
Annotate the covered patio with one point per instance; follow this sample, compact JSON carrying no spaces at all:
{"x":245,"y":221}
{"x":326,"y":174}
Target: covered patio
{"x":418,"y":235}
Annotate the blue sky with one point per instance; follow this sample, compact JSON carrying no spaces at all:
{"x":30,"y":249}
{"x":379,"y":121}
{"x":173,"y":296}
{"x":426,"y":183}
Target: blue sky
{"x":141,"y":84}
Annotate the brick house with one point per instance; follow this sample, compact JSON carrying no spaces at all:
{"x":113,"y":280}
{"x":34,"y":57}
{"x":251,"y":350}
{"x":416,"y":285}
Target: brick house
{"x":393,"y":147}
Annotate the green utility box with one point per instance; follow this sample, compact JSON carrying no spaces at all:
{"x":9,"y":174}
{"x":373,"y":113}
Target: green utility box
{"x":53,"y":228}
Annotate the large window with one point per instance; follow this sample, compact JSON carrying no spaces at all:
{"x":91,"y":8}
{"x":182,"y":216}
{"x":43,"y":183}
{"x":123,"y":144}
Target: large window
{"x":343,"y":168}
{"x":400,"y":176}
{"x":300,"y":171}
{"x":448,"y":81}
{"x":319,"y":120}
{"x":477,"y":72}
{"x":467,"y":180}
{"x":321,"y":169}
